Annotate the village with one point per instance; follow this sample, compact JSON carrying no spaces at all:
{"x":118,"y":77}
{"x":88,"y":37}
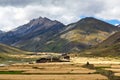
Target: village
{"x":52,"y":57}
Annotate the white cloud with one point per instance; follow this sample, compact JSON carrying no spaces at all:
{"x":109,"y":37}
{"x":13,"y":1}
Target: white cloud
{"x":11,"y":17}
{"x":18,"y":12}
{"x":111,"y":10}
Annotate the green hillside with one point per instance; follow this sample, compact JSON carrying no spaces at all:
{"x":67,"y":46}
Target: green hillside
{"x":8,"y":53}
{"x":11,"y":50}
{"x":108,"y":48}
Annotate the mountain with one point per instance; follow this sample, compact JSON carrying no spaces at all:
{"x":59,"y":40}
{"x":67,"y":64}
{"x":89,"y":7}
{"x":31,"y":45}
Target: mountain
{"x":108,"y":48}
{"x":39,"y":29}
{"x":45,"y":35}
{"x":80,"y":35}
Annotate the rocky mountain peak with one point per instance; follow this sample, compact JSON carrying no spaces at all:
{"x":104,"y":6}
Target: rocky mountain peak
{"x":43,"y":20}
{"x":35,"y":27}
{"x":40,"y":19}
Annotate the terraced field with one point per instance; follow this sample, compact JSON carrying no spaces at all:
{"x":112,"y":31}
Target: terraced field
{"x":49,"y":71}
{"x":76,"y":69}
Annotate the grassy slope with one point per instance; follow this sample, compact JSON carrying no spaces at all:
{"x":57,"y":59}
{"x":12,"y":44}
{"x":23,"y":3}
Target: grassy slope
{"x":7,"y":51}
{"x":10,"y":50}
{"x":112,"y":51}
{"x":74,"y":40}
{"x":108,"y":48}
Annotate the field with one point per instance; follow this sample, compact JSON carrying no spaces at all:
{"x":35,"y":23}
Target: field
{"x":48,"y":71}
{"x":77,"y":69}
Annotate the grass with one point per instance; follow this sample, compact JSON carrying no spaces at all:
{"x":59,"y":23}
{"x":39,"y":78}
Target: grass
{"x":10,"y":50}
{"x":11,"y":72}
{"x":73,"y":38}
{"x":81,"y":36}
{"x":21,"y":72}
{"x":102,"y":67}
{"x":110,"y":51}
{"x":106,"y":73}
{"x":10,"y":54}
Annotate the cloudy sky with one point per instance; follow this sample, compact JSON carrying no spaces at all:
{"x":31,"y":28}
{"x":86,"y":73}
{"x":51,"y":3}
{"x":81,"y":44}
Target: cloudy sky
{"x":14,"y":13}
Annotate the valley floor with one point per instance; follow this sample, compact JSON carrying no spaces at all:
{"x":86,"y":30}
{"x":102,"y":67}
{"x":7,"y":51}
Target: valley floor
{"x":50,"y":71}
{"x":74,"y":70}
{"x":96,"y":60}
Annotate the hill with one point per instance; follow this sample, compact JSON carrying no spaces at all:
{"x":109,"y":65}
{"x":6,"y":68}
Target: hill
{"x":113,"y":39}
{"x":108,"y":48}
{"x":8,"y":49}
{"x":9,"y":53}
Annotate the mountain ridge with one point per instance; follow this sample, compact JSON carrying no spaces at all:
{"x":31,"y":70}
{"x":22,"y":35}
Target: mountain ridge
{"x":33,"y":27}
{"x":45,"y":35}
{"x":84,"y":34}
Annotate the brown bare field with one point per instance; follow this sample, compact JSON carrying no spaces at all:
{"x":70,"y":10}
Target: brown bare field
{"x":102,"y":63}
{"x":50,"y":71}
{"x":95,"y":60}
{"x":115,"y":69}
{"x":72,"y":70}
{"x":53,"y":77}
